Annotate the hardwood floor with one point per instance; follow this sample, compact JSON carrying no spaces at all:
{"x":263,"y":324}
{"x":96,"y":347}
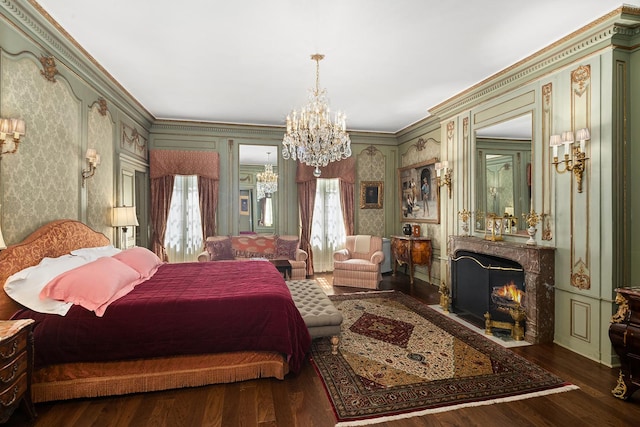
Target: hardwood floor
{"x":301,"y":400}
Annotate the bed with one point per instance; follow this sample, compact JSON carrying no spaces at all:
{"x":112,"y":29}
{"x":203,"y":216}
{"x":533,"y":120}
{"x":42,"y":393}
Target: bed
{"x":265,"y":334}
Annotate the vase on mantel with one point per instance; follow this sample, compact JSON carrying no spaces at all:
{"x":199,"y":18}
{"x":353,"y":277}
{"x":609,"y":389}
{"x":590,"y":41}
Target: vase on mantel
{"x":531,"y":231}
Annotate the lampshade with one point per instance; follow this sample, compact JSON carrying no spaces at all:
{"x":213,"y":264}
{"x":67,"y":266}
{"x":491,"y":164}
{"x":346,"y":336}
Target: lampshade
{"x":124,"y":216}
{"x":567,"y":137}
{"x":582,"y":134}
{"x":555,"y":140}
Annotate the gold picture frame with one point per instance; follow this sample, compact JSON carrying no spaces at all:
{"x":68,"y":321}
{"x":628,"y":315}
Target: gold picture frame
{"x":419,"y":193}
{"x":371,"y":194}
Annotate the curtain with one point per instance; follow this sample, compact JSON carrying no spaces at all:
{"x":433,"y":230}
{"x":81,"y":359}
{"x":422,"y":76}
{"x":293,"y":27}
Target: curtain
{"x":163,"y":166}
{"x":161,"y":192}
{"x":347,"y":204}
{"x":183,"y":240}
{"x":328,"y":231}
{"x":208,"y":198}
{"x":307,"y":197}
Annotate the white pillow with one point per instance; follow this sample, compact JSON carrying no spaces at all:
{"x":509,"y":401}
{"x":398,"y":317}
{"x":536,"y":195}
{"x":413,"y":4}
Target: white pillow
{"x":92,"y":254}
{"x":25,"y":285}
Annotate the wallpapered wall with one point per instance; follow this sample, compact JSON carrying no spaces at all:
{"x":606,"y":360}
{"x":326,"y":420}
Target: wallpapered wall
{"x":41,"y":181}
{"x":371,"y":167}
{"x":100,"y":187}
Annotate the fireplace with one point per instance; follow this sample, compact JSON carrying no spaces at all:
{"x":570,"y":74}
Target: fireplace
{"x":474,"y":277}
{"x":535,"y":278}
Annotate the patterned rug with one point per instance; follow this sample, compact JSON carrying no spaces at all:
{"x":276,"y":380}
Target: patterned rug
{"x":398,"y":358}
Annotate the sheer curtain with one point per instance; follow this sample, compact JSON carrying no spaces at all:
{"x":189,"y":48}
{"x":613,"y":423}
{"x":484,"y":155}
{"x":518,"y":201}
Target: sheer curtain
{"x":183,"y":239}
{"x":327,"y":231}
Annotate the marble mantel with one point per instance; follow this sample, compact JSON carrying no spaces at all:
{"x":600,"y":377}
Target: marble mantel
{"x":538,"y":263}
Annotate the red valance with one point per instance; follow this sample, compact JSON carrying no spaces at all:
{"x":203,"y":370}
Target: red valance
{"x":205,"y":164}
{"x":343,"y":169}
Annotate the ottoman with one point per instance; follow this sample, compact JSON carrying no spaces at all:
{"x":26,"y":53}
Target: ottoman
{"x":322,"y":318}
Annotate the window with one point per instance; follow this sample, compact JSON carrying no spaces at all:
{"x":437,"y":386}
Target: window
{"x":327,"y":231}
{"x":183,"y":239}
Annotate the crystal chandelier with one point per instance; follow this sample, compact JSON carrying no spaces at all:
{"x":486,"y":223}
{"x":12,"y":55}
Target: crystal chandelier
{"x":312,"y":137}
{"x":267,"y":180}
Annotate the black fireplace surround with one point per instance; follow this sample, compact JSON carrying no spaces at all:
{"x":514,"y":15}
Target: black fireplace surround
{"x":474,"y":277}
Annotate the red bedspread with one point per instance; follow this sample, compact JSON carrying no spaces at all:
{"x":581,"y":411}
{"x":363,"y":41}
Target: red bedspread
{"x":189,"y":308}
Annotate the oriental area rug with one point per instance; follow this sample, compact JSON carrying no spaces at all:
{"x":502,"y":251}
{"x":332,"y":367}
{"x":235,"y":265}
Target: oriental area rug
{"x":398,"y":358}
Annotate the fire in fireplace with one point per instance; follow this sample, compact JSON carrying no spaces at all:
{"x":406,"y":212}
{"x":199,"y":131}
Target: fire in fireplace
{"x":486,"y":284}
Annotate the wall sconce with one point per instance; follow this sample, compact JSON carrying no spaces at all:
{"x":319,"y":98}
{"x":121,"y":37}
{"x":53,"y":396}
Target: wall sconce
{"x":10,"y":132}
{"x":575,"y":156}
{"x":445,"y":179}
{"x":124,"y":216}
{"x":93,"y":160}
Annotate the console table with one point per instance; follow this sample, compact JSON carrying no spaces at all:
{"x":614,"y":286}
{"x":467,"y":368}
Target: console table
{"x":624,"y":333}
{"x":411,"y":251}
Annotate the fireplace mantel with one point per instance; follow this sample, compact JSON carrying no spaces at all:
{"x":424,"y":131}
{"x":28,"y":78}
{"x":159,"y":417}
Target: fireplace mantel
{"x":538,"y":263}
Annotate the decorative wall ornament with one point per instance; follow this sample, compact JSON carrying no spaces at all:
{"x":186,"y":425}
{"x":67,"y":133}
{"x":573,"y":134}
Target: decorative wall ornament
{"x":50,"y":69}
{"x":371,"y":150}
{"x":581,"y":77}
{"x":580,"y":277}
{"x":102,"y":106}
{"x":547,"y":125}
{"x":451,"y":127}
{"x":580,"y":204}
{"x":133,"y":142}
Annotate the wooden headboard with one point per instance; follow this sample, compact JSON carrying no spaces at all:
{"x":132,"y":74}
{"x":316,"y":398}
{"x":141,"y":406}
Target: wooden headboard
{"x":52,"y":240}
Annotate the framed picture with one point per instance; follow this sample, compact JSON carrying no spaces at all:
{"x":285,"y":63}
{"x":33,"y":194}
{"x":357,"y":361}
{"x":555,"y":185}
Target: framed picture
{"x":244,"y":205}
{"x":371,"y":194}
{"x":418,"y":192}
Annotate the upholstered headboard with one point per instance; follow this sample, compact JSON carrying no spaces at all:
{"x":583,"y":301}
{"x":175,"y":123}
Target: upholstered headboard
{"x":52,"y":240}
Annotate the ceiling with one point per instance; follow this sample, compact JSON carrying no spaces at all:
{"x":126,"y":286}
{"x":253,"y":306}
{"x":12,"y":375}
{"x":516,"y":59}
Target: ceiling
{"x":248,"y":61}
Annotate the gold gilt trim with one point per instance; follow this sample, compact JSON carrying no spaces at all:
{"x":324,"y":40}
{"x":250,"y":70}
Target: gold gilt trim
{"x":623,"y":309}
{"x":102,"y":106}
{"x":49,"y":68}
{"x":547,"y":171}
{"x":451,"y":127}
{"x":580,"y":277}
{"x":581,"y":77}
{"x":620,"y":390}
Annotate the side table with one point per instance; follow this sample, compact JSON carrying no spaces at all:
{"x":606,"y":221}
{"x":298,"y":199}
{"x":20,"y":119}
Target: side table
{"x":283,"y":266}
{"x":16,"y":366}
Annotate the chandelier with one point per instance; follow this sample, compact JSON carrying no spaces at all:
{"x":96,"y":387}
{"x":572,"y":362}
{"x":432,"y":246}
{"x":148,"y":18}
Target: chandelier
{"x":267,"y":180}
{"x":312,"y":137}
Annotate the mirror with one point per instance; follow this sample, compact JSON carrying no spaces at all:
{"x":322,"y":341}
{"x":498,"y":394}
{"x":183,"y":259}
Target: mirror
{"x":503,"y":172}
{"x":257,"y":209}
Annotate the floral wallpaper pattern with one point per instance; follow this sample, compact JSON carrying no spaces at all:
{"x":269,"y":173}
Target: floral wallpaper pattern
{"x":41,"y":181}
{"x":100,"y":187}
{"x":371,"y":166}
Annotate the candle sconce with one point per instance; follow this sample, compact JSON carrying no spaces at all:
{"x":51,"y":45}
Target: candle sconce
{"x":575,"y":156}
{"x":444,"y":178}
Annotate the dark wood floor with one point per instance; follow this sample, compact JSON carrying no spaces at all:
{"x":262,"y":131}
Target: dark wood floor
{"x":301,"y":401}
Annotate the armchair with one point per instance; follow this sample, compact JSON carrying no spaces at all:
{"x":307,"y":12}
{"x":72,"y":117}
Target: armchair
{"x":358,"y":264}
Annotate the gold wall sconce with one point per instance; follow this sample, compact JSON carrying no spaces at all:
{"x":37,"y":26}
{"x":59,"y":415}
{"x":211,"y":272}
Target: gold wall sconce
{"x":10,"y":132}
{"x":575,"y":156}
{"x":93,"y":160}
{"x":444,"y":178}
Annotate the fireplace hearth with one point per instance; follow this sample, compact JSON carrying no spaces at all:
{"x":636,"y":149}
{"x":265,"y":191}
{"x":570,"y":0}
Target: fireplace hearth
{"x":531,"y":268}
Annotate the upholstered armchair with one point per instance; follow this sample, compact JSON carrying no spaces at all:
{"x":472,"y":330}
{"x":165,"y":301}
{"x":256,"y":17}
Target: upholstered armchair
{"x":358,"y":264}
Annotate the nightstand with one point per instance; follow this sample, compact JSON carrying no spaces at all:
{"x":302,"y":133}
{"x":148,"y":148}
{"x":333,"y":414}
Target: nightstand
{"x":16,"y":365}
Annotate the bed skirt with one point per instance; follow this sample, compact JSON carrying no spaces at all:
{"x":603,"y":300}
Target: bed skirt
{"x":81,"y":380}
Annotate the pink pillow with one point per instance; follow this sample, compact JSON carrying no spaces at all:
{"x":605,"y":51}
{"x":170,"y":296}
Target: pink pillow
{"x":94,"y":285}
{"x":140,"y":259}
